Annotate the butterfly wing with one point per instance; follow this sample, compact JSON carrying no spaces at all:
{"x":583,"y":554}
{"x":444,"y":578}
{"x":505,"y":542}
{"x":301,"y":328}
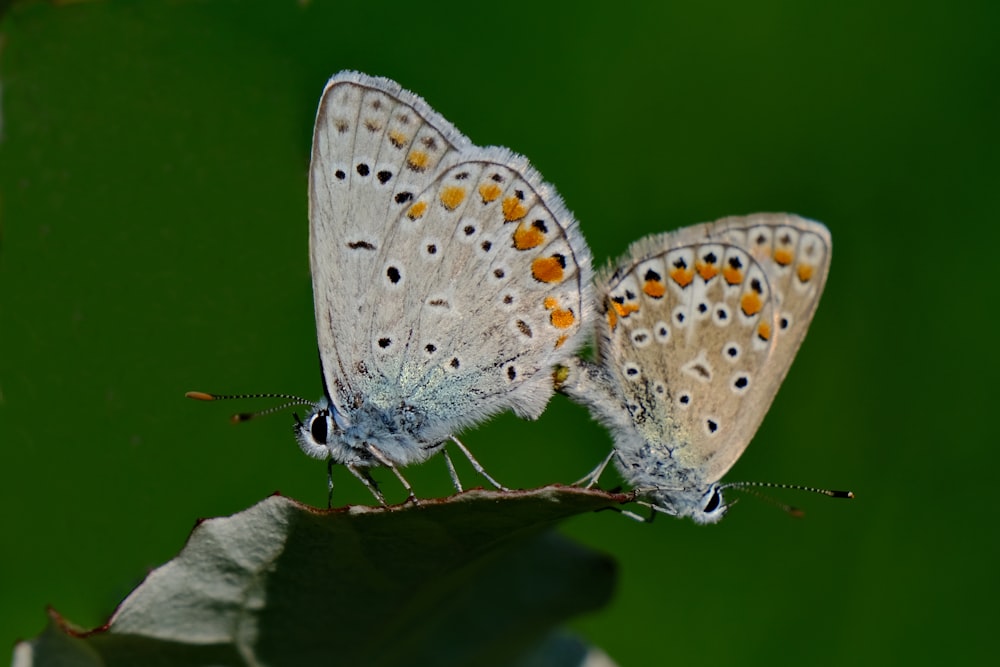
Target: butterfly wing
{"x":448,"y":278}
{"x":700,"y":326}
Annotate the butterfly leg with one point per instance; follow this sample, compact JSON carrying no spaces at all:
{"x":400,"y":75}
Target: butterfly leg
{"x":381,"y":458}
{"x":478,"y":467}
{"x":329,"y":483}
{"x":451,"y":471}
{"x":595,"y":474}
{"x":366,"y":479}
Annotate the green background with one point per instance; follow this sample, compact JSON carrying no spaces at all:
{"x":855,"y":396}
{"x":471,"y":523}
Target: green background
{"x":153,"y":217}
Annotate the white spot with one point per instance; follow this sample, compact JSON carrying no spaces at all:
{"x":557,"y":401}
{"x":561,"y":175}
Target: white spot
{"x":641,"y":337}
{"x":631,"y":371}
{"x":721,"y":315}
{"x":699,"y":368}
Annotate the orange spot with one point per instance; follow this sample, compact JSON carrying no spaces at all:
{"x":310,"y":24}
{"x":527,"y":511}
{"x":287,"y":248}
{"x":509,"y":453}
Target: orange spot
{"x":547,"y":269}
{"x":764,"y":331}
{"x":625,"y":309}
{"x":417,"y":160}
{"x":397,"y":138}
{"x":732,"y":276}
{"x":706,"y":271}
{"x":682,"y":277}
{"x":526,"y":236}
{"x":417,"y":210}
{"x":562,"y":319}
{"x":654,"y":288}
{"x":751,"y":303}
{"x":550,"y":302}
{"x":559,"y":343}
{"x":783,"y":256}
{"x":513,"y":209}
{"x":452,"y":196}
{"x":489,"y":192}
{"x":612,"y":319}
{"x":805,"y":272}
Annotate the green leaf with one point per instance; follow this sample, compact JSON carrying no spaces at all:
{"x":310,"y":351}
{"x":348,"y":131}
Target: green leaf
{"x":478,"y":578}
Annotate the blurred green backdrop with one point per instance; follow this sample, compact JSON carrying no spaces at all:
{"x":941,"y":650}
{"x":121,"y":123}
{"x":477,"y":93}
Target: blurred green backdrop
{"x":153,"y":219}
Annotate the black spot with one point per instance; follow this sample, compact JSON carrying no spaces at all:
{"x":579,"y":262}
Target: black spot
{"x":702,"y":371}
{"x":462,"y":176}
{"x":524,"y":328}
{"x":712,"y":426}
{"x":664,"y":331}
{"x":383,"y":176}
{"x":486,"y":246}
{"x":629,"y":294}
{"x":540,"y":226}
{"x":519,"y":194}
{"x":376,"y":104}
{"x":508,"y":299}
{"x":710,"y":258}
{"x":496,"y":178}
{"x":342,"y":126}
{"x":360,"y":245}
{"x":317,"y":429}
{"x":404,"y":118}
{"x":394,"y":141}
{"x":735,"y":263}
{"x":511,"y":372}
{"x":498,"y":273}
{"x":371,"y":125}
{"x":732,"y":351}
{"x":631,"y":371}
{"x":639,"y":338}
{"x":393,"y":273}
{"x":652,"y":275}
{"x":785,"y":240}
{"x":741,"y":382}
{"x":702,"y":307}
{"x":384,"y":342}
{"x":561,"y":259}
{"x":618,"y":299}
{"x":454,"y":362}
{"x":363,"y":169}
{"x":469,"y":230}
{"x":430,"y":143}
{"x":713,"y":502}
{"x":403,"y":197}
{"x":340,"y":174}
{"x":660,"y":388}
{"x":784,"y":323}
{"x":680,"y":318}
{"x":431,"y":249}
{"x":680,"y":264}
{"x":756,"y":286}
{"x":431,"y":348}
{"x":761,"y":239}
{"x":437,"y":302}
{"x":685,"y":399}
{"x":722,"y":314}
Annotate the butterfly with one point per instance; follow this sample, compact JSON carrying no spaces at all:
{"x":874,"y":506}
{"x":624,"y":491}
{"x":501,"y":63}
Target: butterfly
{"x":695,"y":332}
{"x":448,"y":281}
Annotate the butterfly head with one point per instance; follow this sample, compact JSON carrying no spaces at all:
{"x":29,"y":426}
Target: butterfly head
{"x":318,"y":429}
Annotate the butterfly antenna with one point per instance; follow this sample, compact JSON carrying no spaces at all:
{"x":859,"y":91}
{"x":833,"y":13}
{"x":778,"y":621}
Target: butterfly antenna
{"x":748,"y":487}
{"x":247,"y":416}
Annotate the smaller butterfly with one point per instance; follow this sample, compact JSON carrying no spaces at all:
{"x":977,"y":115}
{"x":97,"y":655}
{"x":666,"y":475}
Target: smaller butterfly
{"x":696,"y":331}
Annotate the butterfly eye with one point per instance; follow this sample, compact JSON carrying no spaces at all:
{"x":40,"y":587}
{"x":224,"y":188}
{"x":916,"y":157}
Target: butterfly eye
{"x":317,"y":427}
{"x":713,"y":502}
